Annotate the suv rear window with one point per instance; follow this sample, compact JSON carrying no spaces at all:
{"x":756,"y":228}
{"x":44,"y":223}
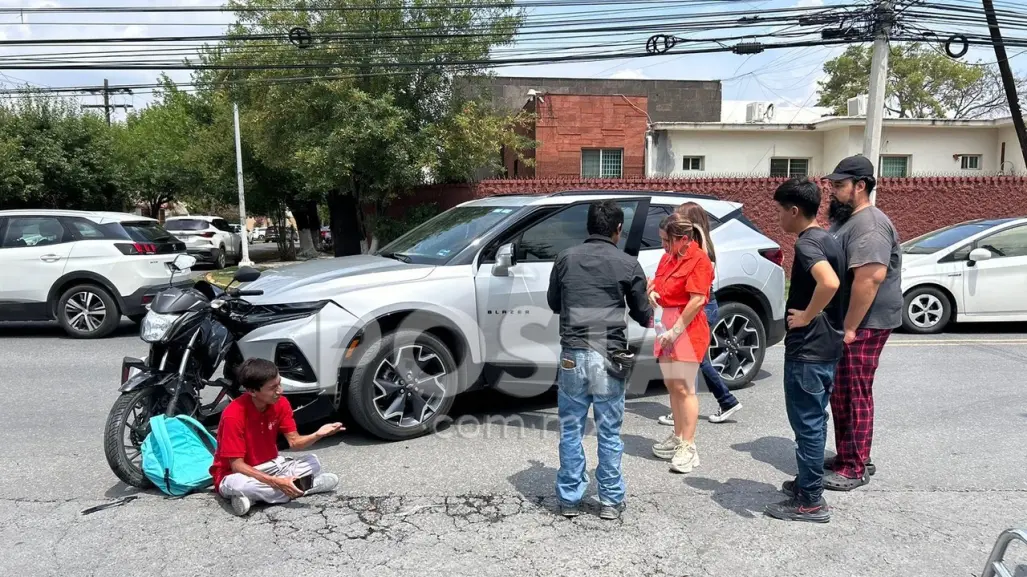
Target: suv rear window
{"x":145,"y":231}
{"x":186,"y":224}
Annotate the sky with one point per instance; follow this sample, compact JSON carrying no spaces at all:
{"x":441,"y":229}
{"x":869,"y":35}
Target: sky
{"x":787,"y":77}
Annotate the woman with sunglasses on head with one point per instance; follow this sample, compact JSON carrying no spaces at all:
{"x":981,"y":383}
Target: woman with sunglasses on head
{"x":728,"y":404}
{"x":681,"y":287}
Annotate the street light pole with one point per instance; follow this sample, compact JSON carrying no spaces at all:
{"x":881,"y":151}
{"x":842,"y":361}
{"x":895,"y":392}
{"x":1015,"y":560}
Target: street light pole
{"x":878,"y":84}
{"x":242,"y":197}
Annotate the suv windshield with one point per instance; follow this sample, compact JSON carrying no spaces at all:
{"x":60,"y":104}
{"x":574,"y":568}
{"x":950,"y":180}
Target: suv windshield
{"x":186,"y":224}
{"x":439,"y":239}
{"x":934,"y":241}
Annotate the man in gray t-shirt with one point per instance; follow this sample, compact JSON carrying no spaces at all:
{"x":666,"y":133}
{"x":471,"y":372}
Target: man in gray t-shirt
{"x":874,"y":308}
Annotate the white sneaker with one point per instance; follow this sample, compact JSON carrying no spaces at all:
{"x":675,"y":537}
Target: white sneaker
{"x":241,"y":505}
{"x":324,"y":483}
{"x":685,"y":458}
{"x":666,"y":420}
{"x":668,"y":447}
{"x":723,"y":415}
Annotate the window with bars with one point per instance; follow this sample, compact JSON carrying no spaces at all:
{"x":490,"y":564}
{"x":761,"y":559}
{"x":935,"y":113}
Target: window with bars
{"x":894,"y":166}
{"x":789,"y":167}
{"x":970,"y":162}
{"x":602,"y":163}
{"x":693,"y":163}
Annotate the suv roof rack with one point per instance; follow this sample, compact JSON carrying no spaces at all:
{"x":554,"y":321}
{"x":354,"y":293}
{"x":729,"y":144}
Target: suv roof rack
{"x":649,"y":192}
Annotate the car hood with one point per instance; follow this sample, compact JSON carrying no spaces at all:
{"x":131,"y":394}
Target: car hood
{"x":325,"y":278}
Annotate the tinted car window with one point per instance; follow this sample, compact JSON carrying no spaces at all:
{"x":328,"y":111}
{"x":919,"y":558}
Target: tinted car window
{"x":86,"y":229}
{"x":186,"y":224}
{"x":651,"y":235}
{"x":33,"y":231}
{"x":146,"y":231}
{"x":566,"y":228}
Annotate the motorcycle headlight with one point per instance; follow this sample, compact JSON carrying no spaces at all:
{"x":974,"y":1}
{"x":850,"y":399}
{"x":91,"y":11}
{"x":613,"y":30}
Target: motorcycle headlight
{"x":155,"y":326}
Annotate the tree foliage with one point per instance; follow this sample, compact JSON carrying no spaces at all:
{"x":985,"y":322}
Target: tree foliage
{"x":922,"y":83}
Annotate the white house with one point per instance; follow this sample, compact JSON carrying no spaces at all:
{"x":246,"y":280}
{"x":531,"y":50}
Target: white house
{"x":797,"y":141}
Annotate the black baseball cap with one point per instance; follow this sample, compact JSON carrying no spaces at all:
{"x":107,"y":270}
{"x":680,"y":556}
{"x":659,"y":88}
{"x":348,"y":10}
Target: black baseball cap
{"x":854,"y":167}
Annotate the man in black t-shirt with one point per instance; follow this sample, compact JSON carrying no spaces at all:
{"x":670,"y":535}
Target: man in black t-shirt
{"x":813,"y":345}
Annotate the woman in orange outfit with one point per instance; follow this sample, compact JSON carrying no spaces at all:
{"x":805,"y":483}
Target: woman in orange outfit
{"x":681,"y":287}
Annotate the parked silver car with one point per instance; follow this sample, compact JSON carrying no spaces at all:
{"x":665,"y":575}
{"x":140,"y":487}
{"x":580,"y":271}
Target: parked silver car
{"x":459,"y":302}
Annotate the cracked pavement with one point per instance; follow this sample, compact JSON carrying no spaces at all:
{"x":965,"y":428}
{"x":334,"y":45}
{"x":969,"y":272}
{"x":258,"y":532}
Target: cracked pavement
{"x":478,"y":500}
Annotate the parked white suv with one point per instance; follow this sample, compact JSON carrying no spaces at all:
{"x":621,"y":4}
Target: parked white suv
{"x":208,"y":238}
{"x":83,"y":269}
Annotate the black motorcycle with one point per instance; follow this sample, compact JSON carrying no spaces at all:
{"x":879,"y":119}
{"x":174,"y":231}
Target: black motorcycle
{"x":192,"y":332}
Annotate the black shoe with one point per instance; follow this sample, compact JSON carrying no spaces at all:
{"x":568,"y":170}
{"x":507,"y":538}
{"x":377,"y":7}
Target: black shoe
{"x":610,"y":512}
{"x":790,"y":488}
{"x":570,"y":510}
{"x":793,"y":510}
{"x":871,"y":468}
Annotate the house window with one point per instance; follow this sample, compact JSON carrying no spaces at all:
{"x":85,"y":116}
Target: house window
{"x":970,"y":162}
{"x":693,"y":163}
{"x":894,"y":166}
{"x":789,"y":167}
{"x":602,"y":163}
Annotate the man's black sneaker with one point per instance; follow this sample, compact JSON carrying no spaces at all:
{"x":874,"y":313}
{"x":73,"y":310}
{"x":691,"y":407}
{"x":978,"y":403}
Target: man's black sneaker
{"x":570,"y":510}
{"x":790,"y":488}
{"x":871,"y":468}
{"x":793,"y":510}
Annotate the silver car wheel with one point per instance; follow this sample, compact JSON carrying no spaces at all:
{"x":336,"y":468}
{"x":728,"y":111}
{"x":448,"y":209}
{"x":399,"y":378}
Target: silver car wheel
{"x":734,"y":347}
{"x":409,"y":386}
{"x":925,"y":311}
{"x":85,"y":311}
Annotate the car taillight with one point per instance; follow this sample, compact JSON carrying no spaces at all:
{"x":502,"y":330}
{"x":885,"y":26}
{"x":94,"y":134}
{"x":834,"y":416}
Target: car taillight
{"x":136,"y":248}
{"x":207,"y":234}
{"x":774,"y":255}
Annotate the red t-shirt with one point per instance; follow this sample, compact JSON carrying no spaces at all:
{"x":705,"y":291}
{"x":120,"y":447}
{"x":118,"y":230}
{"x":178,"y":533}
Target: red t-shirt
{"x":250,"y":434}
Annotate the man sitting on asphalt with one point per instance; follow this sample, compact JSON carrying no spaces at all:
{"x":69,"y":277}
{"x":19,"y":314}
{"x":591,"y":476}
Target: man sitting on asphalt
{"x":247,"y":465}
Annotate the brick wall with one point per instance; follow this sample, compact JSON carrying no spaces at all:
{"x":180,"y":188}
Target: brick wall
{"x":915,"y":205}
{"x":567,"y":123}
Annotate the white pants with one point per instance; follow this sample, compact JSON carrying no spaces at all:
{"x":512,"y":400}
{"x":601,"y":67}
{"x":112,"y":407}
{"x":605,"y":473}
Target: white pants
{"x":241,"y":485}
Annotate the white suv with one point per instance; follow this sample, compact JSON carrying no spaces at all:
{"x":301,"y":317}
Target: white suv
{"x":208,"y":238}
{"x":83,"y":269}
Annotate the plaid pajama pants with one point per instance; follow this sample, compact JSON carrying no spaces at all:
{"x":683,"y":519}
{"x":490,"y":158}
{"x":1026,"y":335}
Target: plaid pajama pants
{"x":852,"y":401}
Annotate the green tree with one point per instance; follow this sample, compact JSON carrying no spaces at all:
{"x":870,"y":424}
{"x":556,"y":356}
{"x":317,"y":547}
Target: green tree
{"x":922,"y":83}
{"x":368,"y":110}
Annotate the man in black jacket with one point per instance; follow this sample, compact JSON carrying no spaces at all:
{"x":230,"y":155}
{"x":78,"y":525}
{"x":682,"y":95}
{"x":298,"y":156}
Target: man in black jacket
{"x":588,"y":289}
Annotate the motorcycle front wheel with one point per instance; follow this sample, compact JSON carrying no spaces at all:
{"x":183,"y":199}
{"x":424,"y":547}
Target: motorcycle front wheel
{"x":128,"y":423}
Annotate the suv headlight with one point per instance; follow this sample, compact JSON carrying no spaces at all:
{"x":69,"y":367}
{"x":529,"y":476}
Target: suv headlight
{"x":155,"y":326}
{"x":283,"y":312}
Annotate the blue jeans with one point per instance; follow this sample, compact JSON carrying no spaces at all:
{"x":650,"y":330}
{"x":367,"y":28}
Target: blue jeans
{"x":713,"y":381}
{"x":807,"y":396}
{"x":583,"y":381}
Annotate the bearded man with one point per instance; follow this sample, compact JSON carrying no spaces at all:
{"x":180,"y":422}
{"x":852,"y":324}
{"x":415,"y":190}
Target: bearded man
{"x":872,"y":289}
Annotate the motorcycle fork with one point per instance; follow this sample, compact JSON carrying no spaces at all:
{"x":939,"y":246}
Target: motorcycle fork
{"x":170,"y":412}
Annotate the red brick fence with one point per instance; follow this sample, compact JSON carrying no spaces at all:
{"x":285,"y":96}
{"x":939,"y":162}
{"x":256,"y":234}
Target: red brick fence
{"x":915,"y":205}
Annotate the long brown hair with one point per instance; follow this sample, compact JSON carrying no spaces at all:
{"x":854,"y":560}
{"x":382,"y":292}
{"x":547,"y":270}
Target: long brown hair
{"x":697,"y":215}
{"x":678,"y":226}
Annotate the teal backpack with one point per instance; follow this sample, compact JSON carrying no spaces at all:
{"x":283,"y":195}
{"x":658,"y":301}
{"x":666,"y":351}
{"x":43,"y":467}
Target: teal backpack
{"x":177,"y":455}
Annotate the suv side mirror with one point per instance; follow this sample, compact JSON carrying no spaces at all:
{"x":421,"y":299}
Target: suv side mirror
{"x":506,"y":257}
{"x":979,"y":254}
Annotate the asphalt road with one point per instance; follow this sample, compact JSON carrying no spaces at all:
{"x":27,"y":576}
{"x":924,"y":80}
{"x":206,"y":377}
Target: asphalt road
{"x":949,"y":448}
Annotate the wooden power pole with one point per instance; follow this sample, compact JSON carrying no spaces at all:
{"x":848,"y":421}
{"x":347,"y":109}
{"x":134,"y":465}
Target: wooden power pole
{"x":1007,"y":78}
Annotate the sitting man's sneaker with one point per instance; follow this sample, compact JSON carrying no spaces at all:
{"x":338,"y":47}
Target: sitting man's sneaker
{"x":240,"y":505}
{"x":870,"y":466}
{"x":569,"y":510}
{"x":324,"y":483}
{"x":723,"y":415}
{"x":835,"y":482}
{"x":610,"y":512}
{"x":793,"y":510}
{"x":666,"y":420}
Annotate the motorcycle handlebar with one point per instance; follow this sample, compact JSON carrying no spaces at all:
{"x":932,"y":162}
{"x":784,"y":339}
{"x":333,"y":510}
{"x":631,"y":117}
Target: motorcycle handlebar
{"x":246,"y":293}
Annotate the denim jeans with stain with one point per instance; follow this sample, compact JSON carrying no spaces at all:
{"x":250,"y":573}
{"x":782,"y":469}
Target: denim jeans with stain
{"x":583,"y":382}
{"x":807,"y":396}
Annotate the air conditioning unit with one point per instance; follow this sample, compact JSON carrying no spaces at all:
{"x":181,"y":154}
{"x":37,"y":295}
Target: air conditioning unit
{"x":858,"y":106}
{"x":758,"y":111}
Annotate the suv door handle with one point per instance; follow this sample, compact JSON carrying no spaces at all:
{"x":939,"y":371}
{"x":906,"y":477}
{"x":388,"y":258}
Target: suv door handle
{"x":50,"y":258}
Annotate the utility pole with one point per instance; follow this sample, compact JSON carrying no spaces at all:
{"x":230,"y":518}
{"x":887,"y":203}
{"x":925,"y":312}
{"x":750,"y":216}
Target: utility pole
{"x":242,"y":197}
{"x":1007,"y":78}
{"x":107,"y":106}
{"x":883,"y":20}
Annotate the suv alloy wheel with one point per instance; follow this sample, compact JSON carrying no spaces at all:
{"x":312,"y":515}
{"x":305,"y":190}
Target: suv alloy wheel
{"x":87,"y":311}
